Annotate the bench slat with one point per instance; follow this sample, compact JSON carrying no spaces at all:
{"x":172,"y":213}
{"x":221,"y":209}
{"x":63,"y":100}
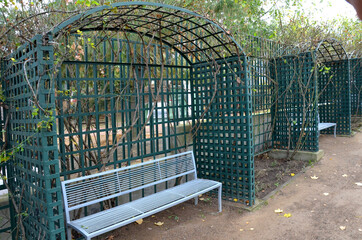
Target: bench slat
{"x":110,"y":185}
{"x":122,"y":213}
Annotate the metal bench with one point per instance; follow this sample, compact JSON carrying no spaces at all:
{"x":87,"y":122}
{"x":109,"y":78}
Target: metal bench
{"x":322,"y":126}
{"x":92,"y":189}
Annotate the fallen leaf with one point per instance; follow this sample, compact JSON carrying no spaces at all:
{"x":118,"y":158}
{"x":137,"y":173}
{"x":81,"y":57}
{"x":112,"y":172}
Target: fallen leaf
{"x":159,"y":223}
{"x":359,"y":184}
{"x":202,"y":199}
{"x":292,"y":174}
{"x":251,"y":229}
{"x":278,"y":210}
{"x":344,"y":175}
{"x":287,"y":215}
{"x":140,"y":221}
{"x":342,"y":227}
{"x":360,"y":229}
{"x":241,"y":229}
{"x":314,"y":177}
{"x":235,"y":199}
{"x":325,"y":194}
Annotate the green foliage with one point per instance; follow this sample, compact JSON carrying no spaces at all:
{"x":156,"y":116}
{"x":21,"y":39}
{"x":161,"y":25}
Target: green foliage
{"x":87,"y":3}
{"x":286,"y":21}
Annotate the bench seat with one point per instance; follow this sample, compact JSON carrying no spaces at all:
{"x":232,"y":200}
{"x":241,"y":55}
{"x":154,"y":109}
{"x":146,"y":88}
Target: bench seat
{"x":116,"y":217}
{"x":322,"y":126}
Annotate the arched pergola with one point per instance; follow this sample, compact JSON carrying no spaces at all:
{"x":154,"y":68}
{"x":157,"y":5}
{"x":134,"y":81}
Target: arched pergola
{"x":333,"y":82}
{"x":312,"y":85}
{"x":124,"y":83}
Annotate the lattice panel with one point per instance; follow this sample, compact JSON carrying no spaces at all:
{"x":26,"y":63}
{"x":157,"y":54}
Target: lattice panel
{"x":222,"y":113}
{"x":356,"y":86}
{"x":34,"y":172}
{"x":261,"y":90}
{"x":295,"y":109}
{"x":103,"y":114}
{"x":334,"y":96}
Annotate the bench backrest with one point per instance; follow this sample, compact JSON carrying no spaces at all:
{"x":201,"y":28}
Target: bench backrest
{"x":84,"y":191}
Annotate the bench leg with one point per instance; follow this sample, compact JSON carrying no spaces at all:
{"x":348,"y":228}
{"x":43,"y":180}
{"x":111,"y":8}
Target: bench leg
{"x":196,"y":200}
{"x":335,"y":130}
{"x":220,"y":192}
{"x":69,"y":233}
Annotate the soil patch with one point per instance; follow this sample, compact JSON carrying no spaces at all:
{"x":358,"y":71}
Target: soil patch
{"x":270,"y":173}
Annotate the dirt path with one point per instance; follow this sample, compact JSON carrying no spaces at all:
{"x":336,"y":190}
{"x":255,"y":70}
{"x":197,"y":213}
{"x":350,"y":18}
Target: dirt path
{"x":314,"y":214}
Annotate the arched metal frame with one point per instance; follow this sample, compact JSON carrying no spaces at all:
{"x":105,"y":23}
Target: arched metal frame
{"x":191,"y":34}
{"x":333,"y":83}
{"x":329,"y":50}
{"x":224,"y":148}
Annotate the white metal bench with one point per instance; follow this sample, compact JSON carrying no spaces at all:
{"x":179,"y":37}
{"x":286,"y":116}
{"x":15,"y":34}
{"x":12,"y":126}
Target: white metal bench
{"x":322,"y":126}
{"x":92,"y":189}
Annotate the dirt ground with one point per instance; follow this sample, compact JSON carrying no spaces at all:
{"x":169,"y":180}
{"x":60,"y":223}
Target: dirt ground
{"x":272,"y":173}
{"x":329,"y":207}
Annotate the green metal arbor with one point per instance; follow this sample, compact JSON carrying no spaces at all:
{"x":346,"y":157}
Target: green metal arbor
{"x":134,"y":81}
{"x":83,"y":103}
{"x":311,"y":85}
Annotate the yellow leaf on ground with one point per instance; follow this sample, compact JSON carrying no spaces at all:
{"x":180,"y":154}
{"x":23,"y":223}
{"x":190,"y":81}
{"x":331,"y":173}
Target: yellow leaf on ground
{"x":278,"y":210}
{"x":235,"y":199}
{"x":159,"y":223}
{"x":287,"y":215}
{"x":314,"y":177}
{"x":241,"y":229}
{"x":342,"y":227}
{"x":292,"y":174}
{"x":359,"y":184}
{"x":140,"y":221}
{"x":325,"y":194}
{"x":202,"y":199}
{"x":344,"y":175}
{"x":251,"y":229}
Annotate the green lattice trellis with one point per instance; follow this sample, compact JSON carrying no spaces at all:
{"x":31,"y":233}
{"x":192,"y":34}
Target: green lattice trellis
{"x":94,"y":94}
{"x":224,"y":139}
{"x":206,"y":80}
{"x":334,"y":96}
{"x":34,"y":171}
{"x":295,"y":103}
{"x":356,"y":86}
